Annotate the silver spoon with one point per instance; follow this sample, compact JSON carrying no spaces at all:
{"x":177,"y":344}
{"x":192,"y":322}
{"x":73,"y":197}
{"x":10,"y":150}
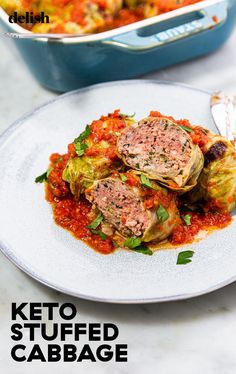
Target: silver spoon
{"x":223,"y":108}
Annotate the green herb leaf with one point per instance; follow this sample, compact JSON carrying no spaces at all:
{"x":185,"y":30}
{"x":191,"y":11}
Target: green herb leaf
{"x":59,"y":160}
{"x":80,"y":148}
{"x":100,"y":233}
{"x":83,"y":135}
{"x":162,"y":214}
{"x":93,"y":225}
{"x":186,"y":128}
{"x":42,"y":178}
{"x":132,"y":242}
{"x":144,"y":250}
{"x":49,"y":171}
{"x":184,"y":257}
{"x":123,"y":177}
{"x":187,"y":219}
{"x":146,"y":182}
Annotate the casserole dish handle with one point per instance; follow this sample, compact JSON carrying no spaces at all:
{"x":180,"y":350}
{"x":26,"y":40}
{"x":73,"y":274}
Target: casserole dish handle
{"x":205,"y":19}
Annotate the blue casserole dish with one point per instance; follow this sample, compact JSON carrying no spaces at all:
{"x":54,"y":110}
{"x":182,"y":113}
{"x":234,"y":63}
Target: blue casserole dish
{"x":130,"y":51}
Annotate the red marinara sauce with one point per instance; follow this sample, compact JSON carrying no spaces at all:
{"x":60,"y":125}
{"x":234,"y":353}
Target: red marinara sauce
{"x":208,"y":221}
{"x":75,"y":215}
{"x":70,"y":214}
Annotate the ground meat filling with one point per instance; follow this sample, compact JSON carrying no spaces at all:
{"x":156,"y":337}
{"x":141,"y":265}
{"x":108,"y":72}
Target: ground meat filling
{"x":156,"y":146}
{"x":120,"y":206}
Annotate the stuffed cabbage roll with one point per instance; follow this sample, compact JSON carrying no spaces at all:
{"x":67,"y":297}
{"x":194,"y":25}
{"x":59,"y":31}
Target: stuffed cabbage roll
{"x":217,"y":182}
{"x":94,"y":152}
{"x":134,"y":210}
{"x":80,"y":172}
{"x":163,"y":151}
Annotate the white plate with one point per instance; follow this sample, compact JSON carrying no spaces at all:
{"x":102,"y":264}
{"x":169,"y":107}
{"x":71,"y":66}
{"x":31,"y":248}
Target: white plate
{"x":48,"y":253}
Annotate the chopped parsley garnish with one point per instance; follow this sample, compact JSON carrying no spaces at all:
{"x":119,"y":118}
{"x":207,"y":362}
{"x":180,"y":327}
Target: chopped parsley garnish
{"x":49,"y":171}
{"x":136,"y":245}
{"x":93,"y":225}
{"x":42,"y":178}
{"x":184,"y":257}
{"x":100,"y":233}
{"x":80,"y":147}
{"x":132,"y":243}
{"x":186,"y":128}
{"x":187,"y":219}
{"x":162,"y":214}
{"x":83,"y":135}
{"x":146,"y":182}
{"x":144,"y":250}
{"x":123,"y":177}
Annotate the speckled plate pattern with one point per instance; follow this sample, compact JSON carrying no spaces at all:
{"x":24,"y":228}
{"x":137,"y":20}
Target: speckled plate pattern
{"x":30,"y":238}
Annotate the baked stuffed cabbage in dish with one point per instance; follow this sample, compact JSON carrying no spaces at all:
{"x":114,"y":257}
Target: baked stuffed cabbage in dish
{"x":163,"y":151}
{"x":124,"y":206}
{"x":142,"y":184}
{"x":90,"y":16}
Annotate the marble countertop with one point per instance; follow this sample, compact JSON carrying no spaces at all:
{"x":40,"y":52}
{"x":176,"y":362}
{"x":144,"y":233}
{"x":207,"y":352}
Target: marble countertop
{"x":186,"y":337}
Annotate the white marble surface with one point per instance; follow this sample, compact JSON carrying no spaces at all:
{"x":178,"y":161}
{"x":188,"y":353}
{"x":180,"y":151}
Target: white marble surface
{"x":187,"y":337}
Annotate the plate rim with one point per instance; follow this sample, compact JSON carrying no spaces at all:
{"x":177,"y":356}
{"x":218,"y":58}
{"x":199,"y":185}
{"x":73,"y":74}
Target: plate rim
{"x":9,"y":254}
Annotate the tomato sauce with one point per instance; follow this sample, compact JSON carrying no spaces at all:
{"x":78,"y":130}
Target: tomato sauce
{"x":75,"y":215}
{"x":106,"y":129}
{"x":208,"y":221}
{"x":70,"y":214}
{"x":90,"y":16}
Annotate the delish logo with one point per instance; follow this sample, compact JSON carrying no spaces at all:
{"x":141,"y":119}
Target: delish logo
{"x":29,"y":18}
